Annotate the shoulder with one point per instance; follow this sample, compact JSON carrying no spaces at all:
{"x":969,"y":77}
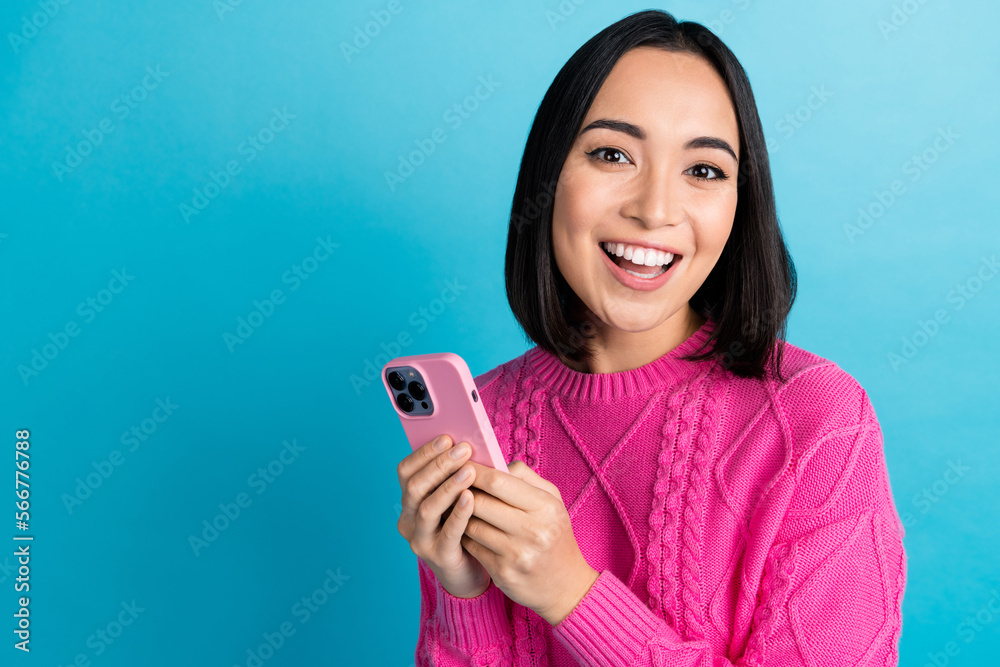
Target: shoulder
{"x":812,"y":418}
{"x":832,"y":430}
{"x":813,"y":394}
{"x":818,"y":397}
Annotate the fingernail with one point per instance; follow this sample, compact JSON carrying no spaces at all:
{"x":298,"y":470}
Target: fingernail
{"x":464,"y":474}
{"x":439,"y":444}
{"x":459,"y":451}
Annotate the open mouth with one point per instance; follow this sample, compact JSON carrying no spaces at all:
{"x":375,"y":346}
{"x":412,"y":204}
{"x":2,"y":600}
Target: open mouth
{"x":642,"y":270}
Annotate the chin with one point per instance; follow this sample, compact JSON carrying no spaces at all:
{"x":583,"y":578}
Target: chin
{"x":642,"y":319}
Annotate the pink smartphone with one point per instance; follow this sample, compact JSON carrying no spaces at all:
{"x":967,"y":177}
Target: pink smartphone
{"x":435,"y":394}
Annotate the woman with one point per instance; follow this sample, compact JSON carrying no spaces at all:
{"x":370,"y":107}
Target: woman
{"x":686,"y":488}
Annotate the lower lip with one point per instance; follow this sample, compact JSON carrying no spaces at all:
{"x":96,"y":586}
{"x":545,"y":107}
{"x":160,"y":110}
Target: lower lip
{"x":642,"y":284}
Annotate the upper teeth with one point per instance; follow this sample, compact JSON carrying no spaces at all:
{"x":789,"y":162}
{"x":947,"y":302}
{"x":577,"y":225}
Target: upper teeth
{"x":639,"y":254}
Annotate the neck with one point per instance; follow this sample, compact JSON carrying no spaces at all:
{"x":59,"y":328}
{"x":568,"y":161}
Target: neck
{"x":656,"y":375}
{"x":615,"y":350}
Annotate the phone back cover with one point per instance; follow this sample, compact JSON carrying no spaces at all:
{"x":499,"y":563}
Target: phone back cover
{"x":449,"y":383}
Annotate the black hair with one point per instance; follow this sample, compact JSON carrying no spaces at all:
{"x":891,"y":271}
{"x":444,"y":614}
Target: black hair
{"x":749,"y":292}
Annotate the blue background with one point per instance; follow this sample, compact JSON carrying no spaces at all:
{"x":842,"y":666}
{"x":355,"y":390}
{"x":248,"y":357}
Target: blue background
{"x":300,"y":373}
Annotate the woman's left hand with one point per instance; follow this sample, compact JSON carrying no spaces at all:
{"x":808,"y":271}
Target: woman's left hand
{"x":521,"y":533}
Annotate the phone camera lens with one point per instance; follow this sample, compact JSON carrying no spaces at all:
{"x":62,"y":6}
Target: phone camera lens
{"x":405,"y":403}
{"x":396,"y":380}
{"x":417,"y":390}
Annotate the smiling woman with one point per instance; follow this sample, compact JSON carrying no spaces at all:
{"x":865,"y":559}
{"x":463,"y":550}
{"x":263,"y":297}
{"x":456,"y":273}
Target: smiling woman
{"x":648,"y":175}
{"x":686,"y":488}
{"x":652,"y":135}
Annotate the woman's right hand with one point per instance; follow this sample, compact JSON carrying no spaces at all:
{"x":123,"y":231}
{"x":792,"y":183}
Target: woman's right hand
{"x":430,"y":487}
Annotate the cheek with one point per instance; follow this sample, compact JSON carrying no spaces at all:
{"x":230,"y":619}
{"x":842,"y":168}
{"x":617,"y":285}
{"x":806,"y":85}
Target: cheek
{"x":575,"y":206}
{"x":572,"y":222}
{"x":715,"y":224}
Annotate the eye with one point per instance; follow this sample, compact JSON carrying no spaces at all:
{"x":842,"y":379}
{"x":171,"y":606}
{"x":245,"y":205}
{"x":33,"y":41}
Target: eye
{"x":615,"y":151}
{"x":703,"y":172}
{"x":702,"y":168}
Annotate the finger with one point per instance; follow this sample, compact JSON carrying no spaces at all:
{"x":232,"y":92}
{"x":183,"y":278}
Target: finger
{"x":423,"y":481}
{"x":486,"y":557}
{"x":498,"y":514}
{"x":434,"y":507}
{"x":421,"y":456}
{"x":422,"y":484}
{"x":509,"y":488}
{"x":486,"y":535}
{"x":522,"y":471}
{"x":454,"y":527}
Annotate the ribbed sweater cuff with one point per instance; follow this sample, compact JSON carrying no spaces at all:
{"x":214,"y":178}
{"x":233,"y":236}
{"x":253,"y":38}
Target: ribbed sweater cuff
{"x":610,"y":625}
{"x":473,"y":623}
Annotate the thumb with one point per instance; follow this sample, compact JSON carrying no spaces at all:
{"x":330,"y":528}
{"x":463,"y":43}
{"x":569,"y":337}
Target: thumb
{"x":521,"y":470}
{"x":524,"y":472}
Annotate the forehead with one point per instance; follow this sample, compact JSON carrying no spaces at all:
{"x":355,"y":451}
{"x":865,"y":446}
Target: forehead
{"x":666,"y":92}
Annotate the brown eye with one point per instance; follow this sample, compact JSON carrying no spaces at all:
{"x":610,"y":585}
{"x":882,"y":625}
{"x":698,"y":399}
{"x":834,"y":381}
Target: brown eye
{"x":701,"y":172}
{"x":595,"y":155}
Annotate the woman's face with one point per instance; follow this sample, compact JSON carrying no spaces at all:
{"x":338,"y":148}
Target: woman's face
{"x":671,"y":187}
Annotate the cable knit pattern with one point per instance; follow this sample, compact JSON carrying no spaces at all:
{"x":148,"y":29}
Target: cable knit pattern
{"x":529,"y":416}
{"x":664,"y":514}
{"x":694,"y":509}
{"x":529,"y":626}
{"x":732,"y":521}
{"x":501,"y":417}
{"x":774,"y":586}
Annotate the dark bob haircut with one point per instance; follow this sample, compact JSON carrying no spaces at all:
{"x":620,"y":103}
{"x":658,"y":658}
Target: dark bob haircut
{"x":748,"y":293}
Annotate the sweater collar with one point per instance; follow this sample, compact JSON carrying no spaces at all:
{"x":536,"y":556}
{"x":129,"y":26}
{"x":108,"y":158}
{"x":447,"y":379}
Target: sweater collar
{"x":655,"y":375}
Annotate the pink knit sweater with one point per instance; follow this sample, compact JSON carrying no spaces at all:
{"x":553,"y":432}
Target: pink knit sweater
{"x":733,"y":521}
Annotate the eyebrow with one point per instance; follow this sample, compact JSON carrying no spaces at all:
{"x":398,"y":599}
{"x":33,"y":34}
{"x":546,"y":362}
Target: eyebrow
{"x":638,"y":133}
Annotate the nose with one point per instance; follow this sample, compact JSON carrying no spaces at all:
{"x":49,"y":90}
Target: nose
{"x":654,"y":200}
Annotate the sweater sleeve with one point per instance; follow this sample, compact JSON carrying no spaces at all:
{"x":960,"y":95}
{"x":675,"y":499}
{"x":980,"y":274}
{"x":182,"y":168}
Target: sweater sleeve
{"x":462,"y":631}
{"x":830,"y":595}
